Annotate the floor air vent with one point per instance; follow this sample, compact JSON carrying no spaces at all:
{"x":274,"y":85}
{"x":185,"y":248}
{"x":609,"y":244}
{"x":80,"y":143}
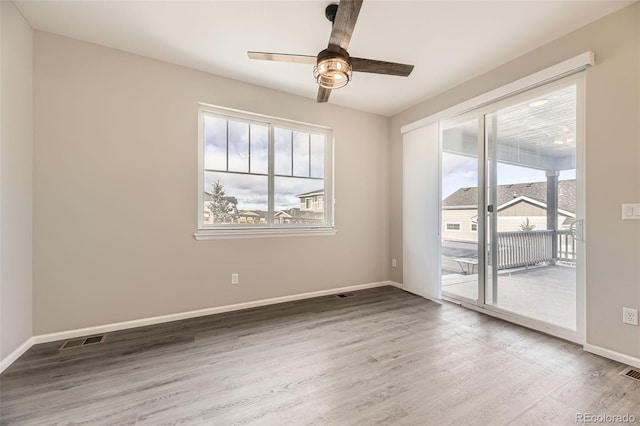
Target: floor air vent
{"x":83,"y":341}
{"x":631,"y":373}
{"x":345,"y":295}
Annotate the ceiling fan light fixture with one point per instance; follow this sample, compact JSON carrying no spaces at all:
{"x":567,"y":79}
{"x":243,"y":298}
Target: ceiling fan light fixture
{"x":332,"y":71}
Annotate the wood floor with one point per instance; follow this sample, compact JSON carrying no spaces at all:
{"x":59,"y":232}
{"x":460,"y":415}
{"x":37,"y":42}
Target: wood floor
{"x":381,"y":357}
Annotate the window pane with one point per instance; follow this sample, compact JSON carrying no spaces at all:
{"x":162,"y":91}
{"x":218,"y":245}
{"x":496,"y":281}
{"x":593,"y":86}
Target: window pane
{"x":459,"y":184}
{"x":282,"y":151}
{"x":317,"y":156}
{"x":238,"y":147}
{"x":297,"y":201}
{"x":301,"y":154}
{"x":215,"y":143}
{"x":259,"y":149}
{"x":235,"y":199}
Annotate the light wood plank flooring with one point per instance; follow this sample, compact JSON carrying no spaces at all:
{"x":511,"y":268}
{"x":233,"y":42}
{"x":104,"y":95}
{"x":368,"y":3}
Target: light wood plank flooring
{"x":381,"y":357}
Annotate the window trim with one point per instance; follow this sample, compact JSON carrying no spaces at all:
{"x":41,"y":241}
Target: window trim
{"x":271,"y":229}
{"x":471,"y":227}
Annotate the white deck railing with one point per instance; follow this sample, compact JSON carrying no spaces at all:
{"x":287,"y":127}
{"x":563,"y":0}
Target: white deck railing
{"x":525,"y":248}
{"x":566,"y":247}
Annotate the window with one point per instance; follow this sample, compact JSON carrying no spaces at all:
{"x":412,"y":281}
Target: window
{"x":453,"y":226}
{"x":262,"y":174}
{"x":474,"y":227}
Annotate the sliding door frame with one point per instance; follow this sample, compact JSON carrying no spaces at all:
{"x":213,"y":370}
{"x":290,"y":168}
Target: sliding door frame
{"x":481,"y":113}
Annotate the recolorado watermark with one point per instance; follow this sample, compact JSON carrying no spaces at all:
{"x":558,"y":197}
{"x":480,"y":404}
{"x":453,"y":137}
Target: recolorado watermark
{"x":605,"y":418}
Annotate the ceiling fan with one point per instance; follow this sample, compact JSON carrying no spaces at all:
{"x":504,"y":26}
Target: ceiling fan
{"x":333,"y":65}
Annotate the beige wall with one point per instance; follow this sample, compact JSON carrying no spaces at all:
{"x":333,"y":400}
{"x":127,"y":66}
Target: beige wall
{"x":612,"y":164}
{"x":16,"y":185}
{"x":462,"y":216}
{"x":116,"y":131}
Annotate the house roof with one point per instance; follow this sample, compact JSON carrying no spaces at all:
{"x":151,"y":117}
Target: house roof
{"x":525,"y":199}
{"x":296,"y":213}
{"x":534,"y":190}
{"x":248,"y":213}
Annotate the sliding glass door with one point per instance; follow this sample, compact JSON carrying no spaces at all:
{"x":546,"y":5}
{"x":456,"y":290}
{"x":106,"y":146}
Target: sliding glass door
{"x":511,"y":207}
{"x":531,"y":202}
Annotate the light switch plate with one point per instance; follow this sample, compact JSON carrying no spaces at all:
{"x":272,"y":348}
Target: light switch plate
{"x":631,"y":211}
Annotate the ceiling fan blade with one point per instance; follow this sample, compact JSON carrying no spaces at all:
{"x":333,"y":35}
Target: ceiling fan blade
{"x":344,"y":23}
{"x":282,"y":57}
{"x":323,"y":94}
{"x":380,"y":67}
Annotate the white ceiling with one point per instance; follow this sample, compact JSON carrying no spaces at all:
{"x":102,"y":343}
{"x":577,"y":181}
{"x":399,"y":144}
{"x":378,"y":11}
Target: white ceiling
{"x":449,"y":42}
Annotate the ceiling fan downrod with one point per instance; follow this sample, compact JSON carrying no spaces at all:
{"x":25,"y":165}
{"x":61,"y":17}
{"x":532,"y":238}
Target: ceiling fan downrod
{"x":330,"y":12}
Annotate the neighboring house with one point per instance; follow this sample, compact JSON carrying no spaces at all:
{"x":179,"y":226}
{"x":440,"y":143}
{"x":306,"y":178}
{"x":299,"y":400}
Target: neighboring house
{"x":296,"y":215}
{"x":517,"y":204}
{"x":312,"y":201}
{"x":311,"y":211}
{"x":250,"y":217}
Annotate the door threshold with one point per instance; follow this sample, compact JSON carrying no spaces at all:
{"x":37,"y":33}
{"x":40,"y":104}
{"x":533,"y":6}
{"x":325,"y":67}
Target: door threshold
{"x":533,"y":324}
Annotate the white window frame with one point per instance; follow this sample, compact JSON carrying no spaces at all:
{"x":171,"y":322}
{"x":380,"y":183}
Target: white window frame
{"x":471,"y":227}
{"x":446,"y":226}
{"x":271,"y":229}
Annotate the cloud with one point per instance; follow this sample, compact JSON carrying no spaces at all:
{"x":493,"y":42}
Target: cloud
{"x":252,"y":192}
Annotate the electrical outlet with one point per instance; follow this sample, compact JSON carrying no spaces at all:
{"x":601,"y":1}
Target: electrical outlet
{"x":630,"y":316}
{"x":393,"y":263}
{"x":234,"y":278}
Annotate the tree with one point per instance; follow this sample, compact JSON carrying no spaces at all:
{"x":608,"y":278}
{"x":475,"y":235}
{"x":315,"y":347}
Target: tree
{"x":526,"y":226}
{"x":219,"y":205}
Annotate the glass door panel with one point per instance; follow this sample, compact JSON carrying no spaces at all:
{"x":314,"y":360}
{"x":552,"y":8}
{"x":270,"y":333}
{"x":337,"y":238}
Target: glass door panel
{"x":459,"y":214}
{"x":531,"y":207}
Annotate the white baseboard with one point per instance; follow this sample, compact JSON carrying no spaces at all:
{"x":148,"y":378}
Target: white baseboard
{"x":396,"y":284}
{"x":616,"y":356}
{"x":401,"y":286}
{"x":17,"y":353}
{"x":106,"y":328}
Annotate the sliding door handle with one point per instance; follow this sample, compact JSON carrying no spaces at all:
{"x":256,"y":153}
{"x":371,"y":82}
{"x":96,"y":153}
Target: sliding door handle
{"x":576,"y":230}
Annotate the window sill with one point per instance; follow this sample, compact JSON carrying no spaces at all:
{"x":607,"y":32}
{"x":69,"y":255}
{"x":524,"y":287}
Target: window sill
{"x":228,"y":234}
